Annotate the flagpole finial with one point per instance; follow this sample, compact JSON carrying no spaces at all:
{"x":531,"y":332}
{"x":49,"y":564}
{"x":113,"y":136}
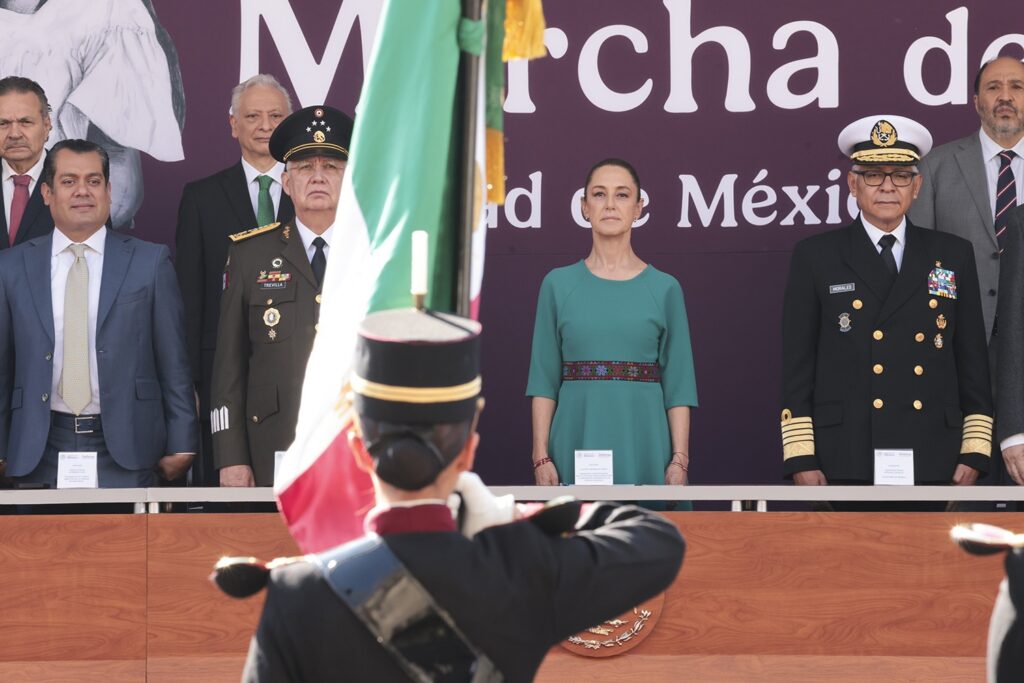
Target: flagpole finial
{"x":419,"y":269}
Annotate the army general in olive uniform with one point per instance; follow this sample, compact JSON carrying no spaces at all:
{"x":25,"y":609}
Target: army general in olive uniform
{"x":884,"y":345}
{"x":271,"y":302}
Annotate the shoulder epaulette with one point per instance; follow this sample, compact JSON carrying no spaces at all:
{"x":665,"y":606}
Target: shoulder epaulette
{"x":246,"y":234}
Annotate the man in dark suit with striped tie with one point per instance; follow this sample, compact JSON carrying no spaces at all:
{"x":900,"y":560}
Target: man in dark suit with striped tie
{"x":24,"y":128}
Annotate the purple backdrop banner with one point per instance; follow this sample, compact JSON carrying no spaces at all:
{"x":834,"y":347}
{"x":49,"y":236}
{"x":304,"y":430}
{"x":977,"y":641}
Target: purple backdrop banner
{"x":728,"y":109}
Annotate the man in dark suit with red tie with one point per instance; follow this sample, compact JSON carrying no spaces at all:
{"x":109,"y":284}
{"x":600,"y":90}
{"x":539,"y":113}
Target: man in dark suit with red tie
{"x":24,"y":128}
{"x":243,"y":196}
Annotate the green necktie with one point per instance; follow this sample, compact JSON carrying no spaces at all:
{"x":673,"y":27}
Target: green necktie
{"x":264,"y":204}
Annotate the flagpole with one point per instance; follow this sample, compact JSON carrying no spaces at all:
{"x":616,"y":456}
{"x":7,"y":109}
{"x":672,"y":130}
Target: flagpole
{"x":470,"y":77}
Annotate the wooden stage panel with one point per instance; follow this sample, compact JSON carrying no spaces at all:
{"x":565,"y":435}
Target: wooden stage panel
{"x":188,"y":615}
{"x":762,"y":596}
{"x":74,"y":591}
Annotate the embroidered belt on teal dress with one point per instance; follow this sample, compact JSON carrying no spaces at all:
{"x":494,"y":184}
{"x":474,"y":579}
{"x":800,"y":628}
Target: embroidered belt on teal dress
{"x":622,"y":370}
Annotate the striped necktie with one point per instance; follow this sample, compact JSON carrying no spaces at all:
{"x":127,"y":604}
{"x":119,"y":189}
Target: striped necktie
{"x":1006,"y":195}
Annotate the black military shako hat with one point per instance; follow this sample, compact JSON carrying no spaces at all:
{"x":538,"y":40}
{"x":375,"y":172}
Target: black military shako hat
{"x":417,"y":366}
{"x":319,"y":130}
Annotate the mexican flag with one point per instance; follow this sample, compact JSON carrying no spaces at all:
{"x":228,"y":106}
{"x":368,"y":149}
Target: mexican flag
{"x":404,"y":174}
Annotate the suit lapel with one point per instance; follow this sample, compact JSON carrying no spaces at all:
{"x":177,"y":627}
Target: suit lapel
{"x":862,"y":257}
{"x":3,"y":219}
{"x":37,"y":272}
{"x":972,"y":167}
{"x":233,"y":184}
{"x":116,"y":257}
{"x":295,"y":253}
{"x":913,"y":273}
{"x":285,"y":208}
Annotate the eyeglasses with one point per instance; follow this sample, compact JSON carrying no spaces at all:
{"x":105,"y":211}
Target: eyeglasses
{"x":898,"y":178}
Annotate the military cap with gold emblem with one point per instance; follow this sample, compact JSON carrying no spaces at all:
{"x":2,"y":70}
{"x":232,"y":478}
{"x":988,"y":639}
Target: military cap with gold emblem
{"x":319,"y":130}
{"x":885,"y":139}
{"x":414,"y":367}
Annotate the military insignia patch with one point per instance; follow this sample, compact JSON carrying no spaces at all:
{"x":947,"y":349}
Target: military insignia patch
{"x":844,"y":322}
{"x":271,"y":317}
{"x":884,"y":134}
{"x":840,"y":289}
{"x":274,"y":279}
{"x":942,"y":282}
{"x":938,"y":341}
{"x":277,"y":262}
{"x":940,"y":322}
{"x":318,"y":136}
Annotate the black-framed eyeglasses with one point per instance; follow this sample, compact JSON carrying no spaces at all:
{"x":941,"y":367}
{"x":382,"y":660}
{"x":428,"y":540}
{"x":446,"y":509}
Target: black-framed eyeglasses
{"x":898,"y":178}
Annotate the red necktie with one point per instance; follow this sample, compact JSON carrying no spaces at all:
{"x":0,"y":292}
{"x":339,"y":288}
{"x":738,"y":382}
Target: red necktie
{"x":18,"y":203}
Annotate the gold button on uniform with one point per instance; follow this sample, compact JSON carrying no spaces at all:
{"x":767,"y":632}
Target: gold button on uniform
{"x":932,"y":303}
{"x":918,"y":405}
{"x":918,"y":370}
{"x":919,"y":337}
{"x":255,"y":418}
{"x":270,"y":301}
{"x":878,"y":335}
{"x":318,"y":298}
{"x":877,"y":403}
{"x":858,"y":304}
{"x":878,"y":368}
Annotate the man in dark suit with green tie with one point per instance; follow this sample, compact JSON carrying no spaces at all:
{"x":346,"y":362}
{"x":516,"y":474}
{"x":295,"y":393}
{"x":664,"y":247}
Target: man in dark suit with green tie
{"x":243,"y":196}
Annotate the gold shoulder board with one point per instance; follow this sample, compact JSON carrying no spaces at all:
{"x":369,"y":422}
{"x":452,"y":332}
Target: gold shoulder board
{"x":246,"y":234}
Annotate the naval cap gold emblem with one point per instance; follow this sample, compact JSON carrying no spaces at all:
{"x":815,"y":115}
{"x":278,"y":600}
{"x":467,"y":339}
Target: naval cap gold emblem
{"x":883,"y":134}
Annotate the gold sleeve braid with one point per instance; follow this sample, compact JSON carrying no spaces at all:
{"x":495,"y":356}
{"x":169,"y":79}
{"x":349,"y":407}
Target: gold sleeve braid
{"x":797,"y":435}
{"x":977,"y":436}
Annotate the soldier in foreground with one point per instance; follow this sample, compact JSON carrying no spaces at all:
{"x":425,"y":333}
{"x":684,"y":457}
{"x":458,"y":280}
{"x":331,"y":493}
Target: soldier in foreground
{"x":421,"y":596}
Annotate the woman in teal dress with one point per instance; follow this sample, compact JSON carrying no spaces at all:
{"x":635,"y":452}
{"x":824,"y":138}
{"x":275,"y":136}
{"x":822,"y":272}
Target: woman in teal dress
{"x":611,"y":366}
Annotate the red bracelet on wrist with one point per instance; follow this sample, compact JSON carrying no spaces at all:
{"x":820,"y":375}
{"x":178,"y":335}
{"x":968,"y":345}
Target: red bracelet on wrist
{"x":542,"y":461}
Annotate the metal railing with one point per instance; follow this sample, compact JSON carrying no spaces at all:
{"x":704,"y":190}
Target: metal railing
{"x":150,"y":499}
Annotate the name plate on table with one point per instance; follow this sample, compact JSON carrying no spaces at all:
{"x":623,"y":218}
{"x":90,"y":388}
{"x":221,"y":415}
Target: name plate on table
{"x":894,"y":467}
{"x":278,"y":457}
{"x":594,"y":468}
{"x":77,"y":470}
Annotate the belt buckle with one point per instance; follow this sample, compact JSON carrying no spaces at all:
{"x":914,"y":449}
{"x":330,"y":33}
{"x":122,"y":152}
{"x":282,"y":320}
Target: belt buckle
{"x":83,"y":431}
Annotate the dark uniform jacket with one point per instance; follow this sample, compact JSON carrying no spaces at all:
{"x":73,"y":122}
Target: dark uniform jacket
{"x":211,"y":209}
{"x":1010,"y":337}
{"x":268,"y":317}
{"x":513,"y":590}
{"x":866,"y":367}
{"x":35,"y":222}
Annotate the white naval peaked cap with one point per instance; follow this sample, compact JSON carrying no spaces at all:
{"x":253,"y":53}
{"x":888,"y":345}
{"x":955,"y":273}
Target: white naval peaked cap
{"x":885,"y":139}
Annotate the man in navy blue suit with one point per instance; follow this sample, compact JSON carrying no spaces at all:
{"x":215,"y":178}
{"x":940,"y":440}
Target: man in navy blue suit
{"x":92,"y":342}
{"x":24,"y":128}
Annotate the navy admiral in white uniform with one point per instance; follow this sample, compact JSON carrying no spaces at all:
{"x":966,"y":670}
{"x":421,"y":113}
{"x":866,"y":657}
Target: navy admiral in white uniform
{"x":884,"y":345}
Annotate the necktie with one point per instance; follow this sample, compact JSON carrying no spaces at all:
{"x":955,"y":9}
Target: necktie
{"x":1006,"y":194}
{"x":888,"y":259}
{"x":74,"y":383}
{"x":18,"y":203}
{"x":264,"y":204}
{"x":319,"y":261}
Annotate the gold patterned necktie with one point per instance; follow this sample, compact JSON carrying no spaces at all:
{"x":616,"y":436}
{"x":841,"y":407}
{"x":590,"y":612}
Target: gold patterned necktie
{"x":75,"y":388}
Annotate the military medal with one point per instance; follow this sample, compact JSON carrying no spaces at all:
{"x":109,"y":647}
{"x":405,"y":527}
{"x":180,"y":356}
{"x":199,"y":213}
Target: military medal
{"x":844,"y":322}
{"x":271,"y":317}
{"x":277,"y":262}
{"x":940,"y":322}
{"x":938,"y":341}
{"x":274,"y":279}
{"x":942,"y":282}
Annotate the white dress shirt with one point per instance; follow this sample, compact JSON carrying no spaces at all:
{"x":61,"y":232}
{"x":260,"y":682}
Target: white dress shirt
{"x":254,"y":186}
{"x":308,"y":236}
{"x":61,"y":260}
{"x":900,"y":233}
{"x":990,"y":150}
{"x":7,"y":178}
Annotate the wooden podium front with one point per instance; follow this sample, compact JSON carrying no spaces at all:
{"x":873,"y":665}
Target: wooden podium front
{"x":761,"y":596}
